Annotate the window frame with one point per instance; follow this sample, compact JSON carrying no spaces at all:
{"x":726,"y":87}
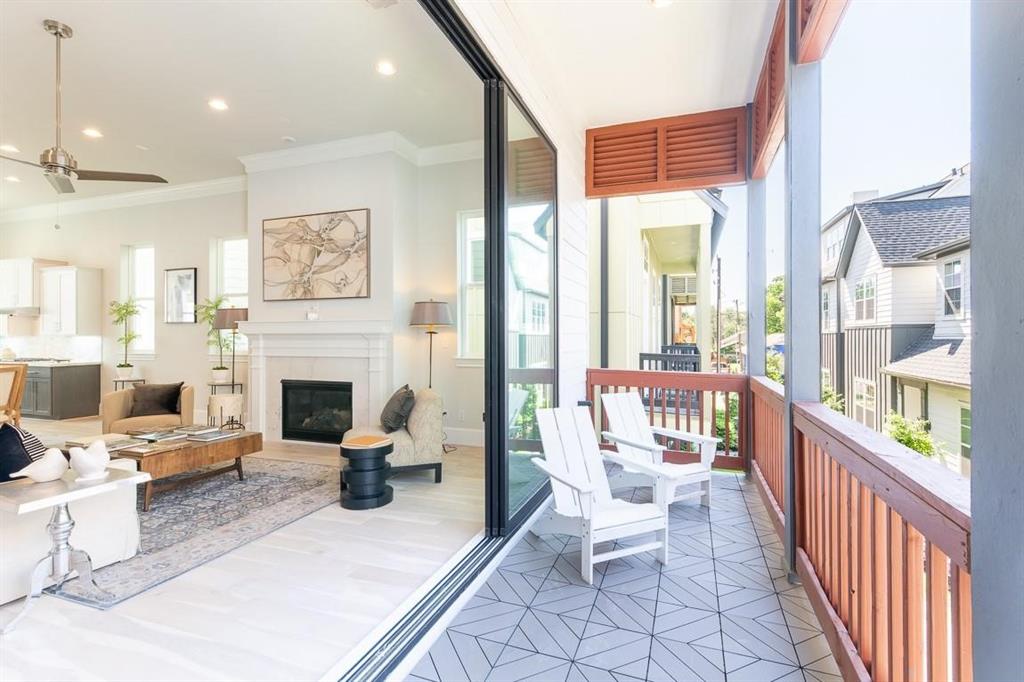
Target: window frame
{"x":965,"y":445}
{"x":465,"y":356}
{"x":859,"y":288}
{"x":217,"y":287}
{"x":959,"y":312}
{"x":860,"y":409}
{"x":128,"y":291}
{"x":826,"y":309}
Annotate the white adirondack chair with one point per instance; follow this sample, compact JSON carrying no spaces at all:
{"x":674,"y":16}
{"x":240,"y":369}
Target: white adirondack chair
{"x":633,"y":436}
{"x":584,"y":505}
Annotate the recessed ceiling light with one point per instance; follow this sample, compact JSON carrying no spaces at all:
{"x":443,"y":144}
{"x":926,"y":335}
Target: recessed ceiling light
{"x":92,"y":132}
{"x":12,"y":178}
{"x":287,"y":138}
{"x":661,"y":3}
{"x":386,"y":68}
{"x":9,"y":148}
{"x":217,"y":104}
{"x":142,"y":147}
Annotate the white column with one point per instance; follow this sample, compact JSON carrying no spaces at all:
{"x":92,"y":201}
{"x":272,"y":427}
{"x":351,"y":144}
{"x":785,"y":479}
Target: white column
{"x":997,"y":362}
{"x":802,"y":260}
{"x":757,"y":275}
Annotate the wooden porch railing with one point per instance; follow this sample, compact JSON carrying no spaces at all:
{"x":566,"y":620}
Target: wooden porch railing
{"x":883,"y":541}
{"x":688,"y":401}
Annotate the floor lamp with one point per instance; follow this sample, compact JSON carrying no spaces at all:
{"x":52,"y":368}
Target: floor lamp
{"x":431,"y":314}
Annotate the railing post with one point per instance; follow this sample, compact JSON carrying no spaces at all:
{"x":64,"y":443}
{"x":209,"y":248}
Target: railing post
{"x":757,"y":276}
{"x":802,"y":256}
{"x":997,"y":356}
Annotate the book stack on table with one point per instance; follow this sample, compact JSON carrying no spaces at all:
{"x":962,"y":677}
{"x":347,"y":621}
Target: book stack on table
{"x":113,"y":441}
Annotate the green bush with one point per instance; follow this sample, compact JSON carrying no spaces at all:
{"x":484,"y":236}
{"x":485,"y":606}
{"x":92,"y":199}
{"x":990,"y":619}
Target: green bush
{"x":773,"y":367}
{"x":914,"y":434}
{"x":833,"y":400}
{"x":734,"y":421}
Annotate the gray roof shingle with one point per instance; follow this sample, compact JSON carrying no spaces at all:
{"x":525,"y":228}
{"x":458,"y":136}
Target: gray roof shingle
{"x":902,"y":229}
{"x":946,"y":361}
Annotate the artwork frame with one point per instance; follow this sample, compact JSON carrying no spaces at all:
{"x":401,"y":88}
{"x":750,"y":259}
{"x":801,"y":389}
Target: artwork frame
{"x":181,"y":295}
{"x":317,"y":256}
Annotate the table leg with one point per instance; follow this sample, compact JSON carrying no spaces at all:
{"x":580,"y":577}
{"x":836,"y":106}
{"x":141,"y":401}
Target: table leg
{"x":147,"y":495}
{"x":81,"y":562}
{"x":39,"y":574}
{"x":238,"y":466}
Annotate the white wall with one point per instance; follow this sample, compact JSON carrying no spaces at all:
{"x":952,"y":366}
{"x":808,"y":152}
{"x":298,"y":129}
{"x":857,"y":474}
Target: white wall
{"x":181,"y":231}
{"x":944,"y":404}
{"x":913,"y":294}
{"x":520,"y":57}
{"x":865,"y":261}
{"x":953,"y":326}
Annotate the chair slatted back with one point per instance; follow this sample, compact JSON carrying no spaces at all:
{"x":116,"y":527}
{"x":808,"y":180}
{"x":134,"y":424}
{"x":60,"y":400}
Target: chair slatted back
{"x":570,"y":445}
{"x":12,"y":389}
{"x":628,"y":418}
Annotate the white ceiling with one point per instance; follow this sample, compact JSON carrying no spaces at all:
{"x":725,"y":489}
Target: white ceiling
{"x":626,"y":60}
{"x":142,"y":73}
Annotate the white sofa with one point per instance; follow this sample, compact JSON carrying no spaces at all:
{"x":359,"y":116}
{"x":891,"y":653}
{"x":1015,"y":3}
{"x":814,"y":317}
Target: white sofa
{"x":106,"y":526}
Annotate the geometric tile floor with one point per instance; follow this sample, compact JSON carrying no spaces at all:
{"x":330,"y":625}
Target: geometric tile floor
{"x":721,"y":609}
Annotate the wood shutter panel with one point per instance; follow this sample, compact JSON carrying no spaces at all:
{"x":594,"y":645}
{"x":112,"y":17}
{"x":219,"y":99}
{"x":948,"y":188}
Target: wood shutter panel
{"x":694,"y":151}
{"x":819,"y":20}
{"x":769,"y":110}
{"x":531,"y":167}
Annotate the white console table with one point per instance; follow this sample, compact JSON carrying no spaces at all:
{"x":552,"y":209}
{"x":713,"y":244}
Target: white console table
{"x":24,"y":496}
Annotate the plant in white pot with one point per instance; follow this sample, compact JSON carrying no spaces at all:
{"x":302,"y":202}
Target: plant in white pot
{"x":215,"y":338}
{"x":122,"y":312}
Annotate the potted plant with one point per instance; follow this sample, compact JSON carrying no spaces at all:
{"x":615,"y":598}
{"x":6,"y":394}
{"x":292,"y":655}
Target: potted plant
{"x":206,"y":312}
{"x":122,"y":312}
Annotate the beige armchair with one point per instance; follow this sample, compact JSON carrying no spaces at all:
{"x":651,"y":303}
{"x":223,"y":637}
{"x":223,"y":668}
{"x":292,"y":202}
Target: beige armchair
{"x":419,"y":445}
{"x":116,"y":407}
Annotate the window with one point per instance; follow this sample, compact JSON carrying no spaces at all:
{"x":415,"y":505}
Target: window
{"x":864,"y":298}
{"x":864,"y":402}
{"x":826,"y":310}
{"x":231,"y":279}
{"x":537,"y":323}
{"x":965,"y":432}
{"x":952,"y":286}
{"x":826,"y":377}
{"x":472,"y":259}
{"x":141,"y":279}
{"x":833,"y":244}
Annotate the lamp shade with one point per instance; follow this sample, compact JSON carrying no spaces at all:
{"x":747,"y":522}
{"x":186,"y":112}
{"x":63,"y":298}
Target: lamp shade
{"x":228,"y":318}
{"x":431,"y":314}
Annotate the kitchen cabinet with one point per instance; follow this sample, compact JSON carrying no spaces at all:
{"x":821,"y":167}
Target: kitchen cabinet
{"x":62,"y":392}
{"x":71,"y":301}
{"x":19,"y":281}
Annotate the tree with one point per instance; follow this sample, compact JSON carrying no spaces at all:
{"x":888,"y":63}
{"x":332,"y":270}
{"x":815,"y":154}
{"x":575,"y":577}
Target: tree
{"x":122,"y":312}
{"x":913,"y":434}
{"x":773,"y":366}
{"x":775,"y":306}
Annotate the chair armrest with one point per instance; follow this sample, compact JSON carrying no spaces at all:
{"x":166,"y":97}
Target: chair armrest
{"x":685,"y":435}
{"x":581,"y":487}
{"x":646,"y":467}
{"x":115,"y":406}
{"x":653,"y":448}
{"x":187,"y":399}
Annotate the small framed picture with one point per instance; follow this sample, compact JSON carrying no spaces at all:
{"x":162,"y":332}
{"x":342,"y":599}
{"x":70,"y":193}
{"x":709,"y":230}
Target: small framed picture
{"x":180,"y":295}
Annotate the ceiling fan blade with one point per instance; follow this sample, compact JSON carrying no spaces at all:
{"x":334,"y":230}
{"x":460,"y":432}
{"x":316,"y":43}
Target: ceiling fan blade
{"x":61,"y":183}
{"x":27,"y":163}
{"x":114,"y":175}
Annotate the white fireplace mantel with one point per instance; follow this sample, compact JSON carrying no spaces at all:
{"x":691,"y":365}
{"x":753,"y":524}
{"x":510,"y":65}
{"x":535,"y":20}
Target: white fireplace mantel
{"x":327,"y":350}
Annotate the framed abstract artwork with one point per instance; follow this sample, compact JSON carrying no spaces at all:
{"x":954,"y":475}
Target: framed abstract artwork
{"x":317,"y":256}
{"x":180,"y":295}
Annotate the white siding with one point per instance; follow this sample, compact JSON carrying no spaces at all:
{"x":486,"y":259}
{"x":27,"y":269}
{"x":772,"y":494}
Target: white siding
{"x":944,"y":404}
{"x":864,"y":262}
{"x":954,"y":326}
{"x":521,"y":58}
{"x":913,"y":294}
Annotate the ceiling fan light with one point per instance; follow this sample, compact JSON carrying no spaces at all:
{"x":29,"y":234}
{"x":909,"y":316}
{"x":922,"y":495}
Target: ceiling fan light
{"x":92,"y":132}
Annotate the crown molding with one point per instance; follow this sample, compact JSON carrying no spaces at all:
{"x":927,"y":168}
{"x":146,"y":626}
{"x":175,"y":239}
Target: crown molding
{"x":348,"y":148}
{"x":450,"y":153}
{"x":157,"y":195}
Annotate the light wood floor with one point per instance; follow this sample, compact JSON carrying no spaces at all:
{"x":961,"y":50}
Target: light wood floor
{"x":284,"y":607}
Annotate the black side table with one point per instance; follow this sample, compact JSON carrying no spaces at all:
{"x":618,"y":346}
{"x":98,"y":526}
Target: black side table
{"x":123,"y":383}
{"x":364,"y":480}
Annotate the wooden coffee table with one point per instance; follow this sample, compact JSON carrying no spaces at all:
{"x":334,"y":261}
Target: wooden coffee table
{"x":194,"y":456}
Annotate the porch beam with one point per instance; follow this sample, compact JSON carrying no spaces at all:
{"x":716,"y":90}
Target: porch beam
{"x":802,"y":254}
{"x":997,"y":356}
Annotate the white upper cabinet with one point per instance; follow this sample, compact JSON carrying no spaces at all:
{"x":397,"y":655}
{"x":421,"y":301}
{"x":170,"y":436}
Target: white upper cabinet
{"x":17,"y":283}
{"x":71,"y":301}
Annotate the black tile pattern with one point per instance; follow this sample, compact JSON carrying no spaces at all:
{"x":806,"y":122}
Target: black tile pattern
{"x":721,"y":610}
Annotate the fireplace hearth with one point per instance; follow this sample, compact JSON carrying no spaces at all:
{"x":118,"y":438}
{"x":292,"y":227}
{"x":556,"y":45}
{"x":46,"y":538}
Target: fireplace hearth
{"x":317,"y":411}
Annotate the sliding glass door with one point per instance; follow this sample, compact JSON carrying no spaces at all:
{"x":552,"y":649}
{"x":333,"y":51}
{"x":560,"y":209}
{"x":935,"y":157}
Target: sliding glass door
{"x":530,"y":300}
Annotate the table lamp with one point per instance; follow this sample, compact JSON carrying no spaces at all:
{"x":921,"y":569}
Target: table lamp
{"x":228,"y":318}
{"x":430,"y":314}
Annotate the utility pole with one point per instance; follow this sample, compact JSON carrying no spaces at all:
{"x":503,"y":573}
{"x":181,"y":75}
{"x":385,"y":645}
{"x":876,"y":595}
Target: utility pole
{"x":718,"y":311}
{"x":739,"y":336}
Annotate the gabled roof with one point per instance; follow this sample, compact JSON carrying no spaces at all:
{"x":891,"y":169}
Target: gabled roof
{"x":900,"y":230}
{"x":943,"y":361}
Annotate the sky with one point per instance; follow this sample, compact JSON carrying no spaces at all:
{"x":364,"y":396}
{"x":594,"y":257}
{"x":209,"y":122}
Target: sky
{"x":895,"y":115}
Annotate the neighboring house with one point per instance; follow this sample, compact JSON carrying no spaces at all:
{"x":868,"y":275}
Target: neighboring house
{"x":933,"y":375}
{"x":879,"y":293}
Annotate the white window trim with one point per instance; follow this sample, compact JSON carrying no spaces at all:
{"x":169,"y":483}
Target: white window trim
{"x":874,"y":298}
{"x":462,"y":218}
{"x":860,"y":387}
{"x":961,"y":314}
{"x":826,"y":310}
{"x":216,"y":282}
{"x":126,"y":286}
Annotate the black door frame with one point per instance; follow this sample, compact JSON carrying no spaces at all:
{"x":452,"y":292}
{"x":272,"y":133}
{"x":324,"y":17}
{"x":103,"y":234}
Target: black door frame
{"x":497,"y":91}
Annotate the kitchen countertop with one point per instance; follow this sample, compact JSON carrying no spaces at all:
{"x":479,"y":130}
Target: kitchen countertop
{"x":48,"y":363}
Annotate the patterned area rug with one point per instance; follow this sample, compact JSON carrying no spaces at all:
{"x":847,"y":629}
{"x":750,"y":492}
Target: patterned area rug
{"x":196,"y":523}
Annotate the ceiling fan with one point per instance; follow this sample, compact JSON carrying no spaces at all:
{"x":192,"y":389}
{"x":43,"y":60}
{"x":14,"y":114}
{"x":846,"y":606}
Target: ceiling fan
{"x":59,"y":166}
